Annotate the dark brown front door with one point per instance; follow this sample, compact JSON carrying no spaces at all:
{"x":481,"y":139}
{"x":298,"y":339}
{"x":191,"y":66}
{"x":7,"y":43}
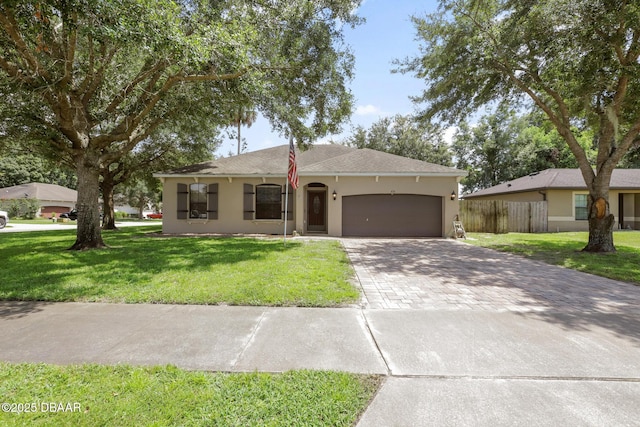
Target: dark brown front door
{"x":317,"y":211}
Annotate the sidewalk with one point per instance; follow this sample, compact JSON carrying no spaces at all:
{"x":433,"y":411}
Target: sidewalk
{"x":452,"y":367}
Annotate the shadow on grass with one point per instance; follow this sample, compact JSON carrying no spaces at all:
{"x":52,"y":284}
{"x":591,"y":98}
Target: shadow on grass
{"x":37,"y":266}
{"x":569,"y":298}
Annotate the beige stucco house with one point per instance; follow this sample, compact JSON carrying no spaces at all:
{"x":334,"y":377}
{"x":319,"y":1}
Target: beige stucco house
{"x":342,"y":191}
{"x":565,"y":192}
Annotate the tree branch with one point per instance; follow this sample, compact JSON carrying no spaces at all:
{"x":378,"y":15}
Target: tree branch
{"x":8,"y":22}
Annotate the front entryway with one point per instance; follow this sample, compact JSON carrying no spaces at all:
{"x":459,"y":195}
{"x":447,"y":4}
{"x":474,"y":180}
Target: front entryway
{"x":317,"y":208}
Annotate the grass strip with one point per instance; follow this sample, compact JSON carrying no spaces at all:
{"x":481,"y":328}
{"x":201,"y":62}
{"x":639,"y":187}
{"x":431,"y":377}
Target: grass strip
{"x":92,"y":395}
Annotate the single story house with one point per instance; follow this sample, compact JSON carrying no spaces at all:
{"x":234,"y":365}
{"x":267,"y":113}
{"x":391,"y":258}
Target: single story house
{"x":566,"y":193}
{"x":342,"y":191}
{"x":52,"y":198}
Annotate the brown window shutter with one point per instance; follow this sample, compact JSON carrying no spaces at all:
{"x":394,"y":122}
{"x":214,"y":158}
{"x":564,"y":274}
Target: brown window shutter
{"x":183,"y":196}
{"x":212,"y":196}
{"x":248,"y":202}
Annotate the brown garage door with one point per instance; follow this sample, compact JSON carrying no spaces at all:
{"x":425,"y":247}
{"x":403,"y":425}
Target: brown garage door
{"x":386,"y":215}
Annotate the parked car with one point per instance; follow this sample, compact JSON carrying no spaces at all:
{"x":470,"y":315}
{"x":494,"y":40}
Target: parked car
{"x":155,"y":215}
{"x":72,"y":215}
{"x":4,"y":219}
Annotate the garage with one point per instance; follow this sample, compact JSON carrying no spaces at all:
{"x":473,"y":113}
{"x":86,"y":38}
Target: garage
{"x":392,"y":215}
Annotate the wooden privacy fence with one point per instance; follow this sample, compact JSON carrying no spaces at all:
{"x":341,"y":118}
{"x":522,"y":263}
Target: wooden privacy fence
{"x":499,"y":216}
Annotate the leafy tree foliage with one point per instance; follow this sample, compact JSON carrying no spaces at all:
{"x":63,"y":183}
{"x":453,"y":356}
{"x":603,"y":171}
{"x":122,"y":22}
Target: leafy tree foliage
{"x":504,"y":146}
{"x":93,"y":79}
{"x":23,"y":168}
{"x":403,"y":136}
{"x":575,"y":60}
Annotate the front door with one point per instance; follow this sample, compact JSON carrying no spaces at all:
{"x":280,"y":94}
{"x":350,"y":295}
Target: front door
{"x":317,"y":211}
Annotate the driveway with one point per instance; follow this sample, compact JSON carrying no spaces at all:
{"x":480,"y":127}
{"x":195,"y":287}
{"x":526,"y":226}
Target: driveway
{"x":475,"y":337}
{"x":451,"y":275}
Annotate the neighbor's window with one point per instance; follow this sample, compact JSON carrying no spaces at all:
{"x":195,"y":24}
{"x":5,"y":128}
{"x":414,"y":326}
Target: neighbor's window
{"x":581,"y":207}
{"x":268,"y":201}
{"x":198,"y":201}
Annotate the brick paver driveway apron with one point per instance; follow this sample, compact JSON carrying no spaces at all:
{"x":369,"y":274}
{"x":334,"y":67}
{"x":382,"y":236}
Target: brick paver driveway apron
{"x":449,"y":275}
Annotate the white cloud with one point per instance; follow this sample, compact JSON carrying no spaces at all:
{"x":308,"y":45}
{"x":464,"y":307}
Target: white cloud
{"x":368,"y":110}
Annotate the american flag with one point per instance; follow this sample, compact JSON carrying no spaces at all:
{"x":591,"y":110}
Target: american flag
{"x":293,"y":168}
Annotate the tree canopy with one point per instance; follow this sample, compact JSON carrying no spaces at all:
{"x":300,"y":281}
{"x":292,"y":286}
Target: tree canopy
{"x":575,"y":60}
{"x":503,"y":146}
{"x":95,"y":78}
{"x":404,"y":136}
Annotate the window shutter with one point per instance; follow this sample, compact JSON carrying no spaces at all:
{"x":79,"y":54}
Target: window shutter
{"x":289,"y":203}
{"x":248,"y":202}
{"x":183,"y":195}
{"x":212,"y":196}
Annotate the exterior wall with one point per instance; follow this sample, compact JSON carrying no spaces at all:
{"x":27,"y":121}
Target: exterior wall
{"x":230,"y":209}
{"x":48,"y":207}
{"x":631,"y":213}
{"x":637,"y":211}
{"x":230,"y":202}
{"x":561,"y":207}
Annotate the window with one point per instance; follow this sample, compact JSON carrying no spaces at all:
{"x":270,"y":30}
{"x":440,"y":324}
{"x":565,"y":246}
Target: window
{"x":198,"y":201}
{"x":580,"y":201}
{"x":268,"y":201}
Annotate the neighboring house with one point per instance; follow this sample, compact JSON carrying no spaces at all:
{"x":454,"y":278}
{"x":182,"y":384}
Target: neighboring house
{"x":52,"y":198}
{"x":565,"y":192}
{"x":343,"y":191}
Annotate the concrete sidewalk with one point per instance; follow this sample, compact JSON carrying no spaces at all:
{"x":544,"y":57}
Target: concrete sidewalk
{"x":451,"y":367}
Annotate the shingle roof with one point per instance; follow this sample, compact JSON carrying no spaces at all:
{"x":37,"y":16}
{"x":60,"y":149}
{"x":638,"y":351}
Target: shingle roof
{"x":319,"y":160}
{"x":40,"y":191}
{"x":622,"y":179}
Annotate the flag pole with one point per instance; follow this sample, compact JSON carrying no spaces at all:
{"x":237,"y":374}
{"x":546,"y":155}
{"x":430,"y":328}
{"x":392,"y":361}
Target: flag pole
{"x":286,"y":208}
{"x":292,"y":178}
{"x":286,"y":191}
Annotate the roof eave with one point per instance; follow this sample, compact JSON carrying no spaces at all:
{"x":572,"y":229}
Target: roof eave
{"x":314,"y":174}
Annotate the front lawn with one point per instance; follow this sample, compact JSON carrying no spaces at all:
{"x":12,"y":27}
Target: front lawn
{"x":565,"y":249}
{"x":92,"y":395}
{"x":140,"y":268}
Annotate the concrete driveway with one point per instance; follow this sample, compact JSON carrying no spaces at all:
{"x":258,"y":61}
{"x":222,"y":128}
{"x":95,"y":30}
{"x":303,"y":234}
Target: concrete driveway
{"x":476,"y":337}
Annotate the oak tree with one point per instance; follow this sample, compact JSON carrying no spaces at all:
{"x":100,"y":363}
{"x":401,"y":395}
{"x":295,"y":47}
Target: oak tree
{"x":95,"y":78}
{"x":575,"y":60}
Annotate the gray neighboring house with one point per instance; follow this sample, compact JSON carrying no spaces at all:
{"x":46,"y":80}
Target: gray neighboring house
{"x":343,"y":191}
{"x":52,"y":198}
{"x":565,"y":192}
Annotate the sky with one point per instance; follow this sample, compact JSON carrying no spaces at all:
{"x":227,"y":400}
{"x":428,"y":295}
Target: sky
{"x":387,"y":34}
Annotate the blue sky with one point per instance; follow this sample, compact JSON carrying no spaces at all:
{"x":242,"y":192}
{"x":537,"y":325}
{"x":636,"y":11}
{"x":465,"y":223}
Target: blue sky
{"x":386,"y":35}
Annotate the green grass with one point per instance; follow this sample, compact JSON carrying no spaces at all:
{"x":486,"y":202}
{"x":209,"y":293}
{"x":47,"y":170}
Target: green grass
{"x":565,"y":249}
{"x":168,"y":396}
{"x":139,"y":268}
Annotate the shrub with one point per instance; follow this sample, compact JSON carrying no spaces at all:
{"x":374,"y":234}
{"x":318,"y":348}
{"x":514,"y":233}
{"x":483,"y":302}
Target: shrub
{"x":20,"y":208}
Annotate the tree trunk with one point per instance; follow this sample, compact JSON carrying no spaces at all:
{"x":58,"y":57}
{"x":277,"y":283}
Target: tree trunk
{"x":88,"y":235}
{"x":108,"y":206}
{"x":601,"y":234}
{"x":600,"y":221}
